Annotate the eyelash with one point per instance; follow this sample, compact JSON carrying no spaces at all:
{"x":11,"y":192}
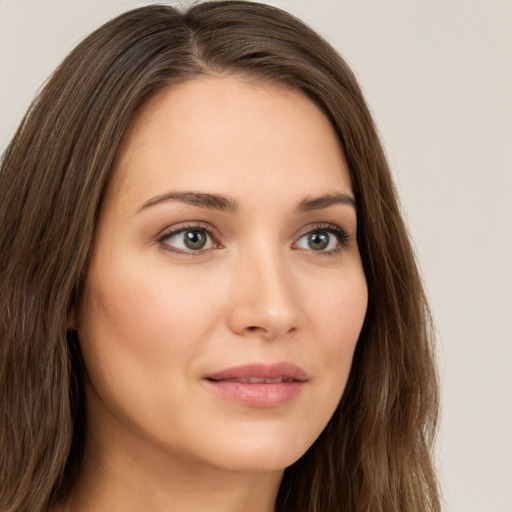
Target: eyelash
{"x":341,"y":235}
{"x":195,"y":226}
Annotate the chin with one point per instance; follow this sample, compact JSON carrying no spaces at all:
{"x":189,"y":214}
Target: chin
{"x":263,"y":451}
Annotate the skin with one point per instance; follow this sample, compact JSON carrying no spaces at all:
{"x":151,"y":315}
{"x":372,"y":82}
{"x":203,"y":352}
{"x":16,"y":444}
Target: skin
{"x":156,"y":317}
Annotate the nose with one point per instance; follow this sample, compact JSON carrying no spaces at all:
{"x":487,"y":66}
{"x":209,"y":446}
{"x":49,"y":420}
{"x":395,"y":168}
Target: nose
{"x":266,"y":302}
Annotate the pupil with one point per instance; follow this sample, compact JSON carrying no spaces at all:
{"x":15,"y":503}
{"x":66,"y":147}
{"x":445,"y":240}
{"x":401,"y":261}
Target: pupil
{"x":195,"y":239}
{"x":318,"y":241}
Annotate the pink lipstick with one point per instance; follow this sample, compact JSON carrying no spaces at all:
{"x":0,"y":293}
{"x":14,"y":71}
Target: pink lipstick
{"x":259,"y":384}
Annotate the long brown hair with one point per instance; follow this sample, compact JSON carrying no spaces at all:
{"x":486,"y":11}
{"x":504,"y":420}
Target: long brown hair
{"x":375,"y":453}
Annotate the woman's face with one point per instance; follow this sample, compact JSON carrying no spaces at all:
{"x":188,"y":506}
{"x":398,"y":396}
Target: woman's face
{"x":225,"y":293}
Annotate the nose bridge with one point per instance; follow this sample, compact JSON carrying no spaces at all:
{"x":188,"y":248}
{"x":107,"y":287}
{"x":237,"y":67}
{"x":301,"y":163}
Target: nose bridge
{"x":264,"y":298}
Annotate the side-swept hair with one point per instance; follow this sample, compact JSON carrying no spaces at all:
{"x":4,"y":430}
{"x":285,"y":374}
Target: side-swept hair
{"x":375,"y":453}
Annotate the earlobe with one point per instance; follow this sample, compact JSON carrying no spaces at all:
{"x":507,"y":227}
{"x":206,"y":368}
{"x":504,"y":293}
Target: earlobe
{"x":72,"y":324}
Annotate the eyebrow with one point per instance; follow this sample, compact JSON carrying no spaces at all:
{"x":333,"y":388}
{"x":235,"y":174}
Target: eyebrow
{"x":317,"y":203}
{"x":210,"y":201}
{"x":226,"y":204}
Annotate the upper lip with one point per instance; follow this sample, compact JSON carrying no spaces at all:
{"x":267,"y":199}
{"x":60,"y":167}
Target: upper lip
{"x":285,"y":370}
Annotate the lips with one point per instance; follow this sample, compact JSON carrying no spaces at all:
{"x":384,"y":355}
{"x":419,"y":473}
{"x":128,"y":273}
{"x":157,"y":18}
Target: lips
{"x":260,"y":380}
{"x":259,"y":385}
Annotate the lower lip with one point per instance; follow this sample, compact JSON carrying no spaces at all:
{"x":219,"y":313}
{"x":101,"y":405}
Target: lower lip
{"x":264,"y":396}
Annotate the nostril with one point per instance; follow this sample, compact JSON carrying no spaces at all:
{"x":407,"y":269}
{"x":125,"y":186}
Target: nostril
{"x":257,"y":329}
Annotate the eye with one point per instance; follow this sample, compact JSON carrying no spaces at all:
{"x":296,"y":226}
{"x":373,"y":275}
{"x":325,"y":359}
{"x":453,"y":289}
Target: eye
{"x":188,"y":239}
{"x":326,"y":240}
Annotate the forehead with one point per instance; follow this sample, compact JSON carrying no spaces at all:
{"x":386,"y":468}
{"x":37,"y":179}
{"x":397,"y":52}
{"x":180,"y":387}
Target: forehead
{"x":229,"y":131}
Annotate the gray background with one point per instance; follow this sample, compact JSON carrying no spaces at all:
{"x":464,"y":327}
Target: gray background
{"x":438,"y":76}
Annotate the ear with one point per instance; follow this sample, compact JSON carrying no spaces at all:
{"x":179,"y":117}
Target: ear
{"x":72,"y":324}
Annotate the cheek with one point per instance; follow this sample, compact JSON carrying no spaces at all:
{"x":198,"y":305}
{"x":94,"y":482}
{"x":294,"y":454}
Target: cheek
{"x":339,"y":315}
{"x":144,"y":308}
{"x":341,"y":306}
{"x":335,"y":317}
{"x":139,"y":332}
{"x":143,"y":324}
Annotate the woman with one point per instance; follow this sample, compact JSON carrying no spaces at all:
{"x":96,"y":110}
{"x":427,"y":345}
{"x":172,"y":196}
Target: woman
{"x":208,"y":296}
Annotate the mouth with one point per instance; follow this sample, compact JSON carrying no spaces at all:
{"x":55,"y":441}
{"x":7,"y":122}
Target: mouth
{"x":257,"y":373}
{"x":257,"y":380}
{"x":259,"y":385}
